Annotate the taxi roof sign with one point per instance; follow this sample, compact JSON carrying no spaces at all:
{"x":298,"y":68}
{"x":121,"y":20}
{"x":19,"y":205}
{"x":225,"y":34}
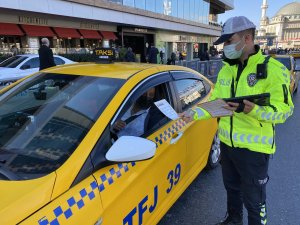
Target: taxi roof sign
{"x":104,"y":55}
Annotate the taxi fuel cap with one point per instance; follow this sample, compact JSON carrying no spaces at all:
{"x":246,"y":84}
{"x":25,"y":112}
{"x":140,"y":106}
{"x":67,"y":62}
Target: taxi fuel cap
{"x":104,"y":55}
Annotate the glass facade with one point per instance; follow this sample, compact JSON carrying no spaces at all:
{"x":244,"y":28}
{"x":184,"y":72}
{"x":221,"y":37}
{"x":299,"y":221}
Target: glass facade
{"x":150,"y":5}
{"x":174,"y":8}
{"x":194,"y":10}
{"x":140,"y":4}
{"x":128,"y":2}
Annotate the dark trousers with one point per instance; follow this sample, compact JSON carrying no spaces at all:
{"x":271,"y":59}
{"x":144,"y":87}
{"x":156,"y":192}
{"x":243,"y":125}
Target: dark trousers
{"x":245,"y":175}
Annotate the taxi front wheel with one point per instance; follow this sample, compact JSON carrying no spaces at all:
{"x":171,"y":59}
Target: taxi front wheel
{"x":215,"y":153}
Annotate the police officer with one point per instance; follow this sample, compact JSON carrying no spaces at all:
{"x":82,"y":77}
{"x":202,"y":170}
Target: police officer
{"x":247,"y":137}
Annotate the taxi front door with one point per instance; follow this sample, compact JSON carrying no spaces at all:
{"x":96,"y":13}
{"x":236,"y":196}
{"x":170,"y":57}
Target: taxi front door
{"x":191,"y":90}
{"x":135,"y":193}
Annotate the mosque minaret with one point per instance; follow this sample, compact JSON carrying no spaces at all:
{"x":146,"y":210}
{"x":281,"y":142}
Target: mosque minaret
{"x":264,"y":19}
{"x":283,"y":28}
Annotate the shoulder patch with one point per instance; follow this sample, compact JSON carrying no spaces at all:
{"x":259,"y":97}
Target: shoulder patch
{"x":251,"y":79}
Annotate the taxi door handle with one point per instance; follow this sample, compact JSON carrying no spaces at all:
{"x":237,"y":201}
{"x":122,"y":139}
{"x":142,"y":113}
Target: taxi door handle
{"x":176,"y":138}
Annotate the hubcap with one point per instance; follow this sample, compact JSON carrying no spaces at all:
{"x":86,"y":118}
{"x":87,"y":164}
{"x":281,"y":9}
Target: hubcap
{"x":215,"y":150}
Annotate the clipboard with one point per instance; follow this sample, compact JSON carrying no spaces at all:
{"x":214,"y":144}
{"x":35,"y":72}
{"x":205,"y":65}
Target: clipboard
{"x":216,"y":108}
{"x":260,"y":99}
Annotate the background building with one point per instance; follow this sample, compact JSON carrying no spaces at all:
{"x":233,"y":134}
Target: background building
{"x":283,"y":29}
{"x":77,"y":26}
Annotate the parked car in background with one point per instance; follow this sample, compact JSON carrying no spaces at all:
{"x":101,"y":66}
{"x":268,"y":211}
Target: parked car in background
{"x":289,"y":62}
{"x":19,"y":66}
{"x":63,"y":162}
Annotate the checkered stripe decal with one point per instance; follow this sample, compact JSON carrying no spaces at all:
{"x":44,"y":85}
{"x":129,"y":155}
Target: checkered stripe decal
{"x":79,"y":200}
{"x":167,"y":134}
{"x":114,"y":173}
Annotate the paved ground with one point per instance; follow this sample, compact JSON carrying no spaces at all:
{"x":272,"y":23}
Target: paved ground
{"x":203,"y":203}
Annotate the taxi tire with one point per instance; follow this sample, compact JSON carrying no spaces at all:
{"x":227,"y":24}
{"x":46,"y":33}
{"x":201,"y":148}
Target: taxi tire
{"x":215,"y":153}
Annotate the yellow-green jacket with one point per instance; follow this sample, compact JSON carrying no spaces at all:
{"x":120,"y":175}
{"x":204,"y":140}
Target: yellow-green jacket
{"x":255,"y":130}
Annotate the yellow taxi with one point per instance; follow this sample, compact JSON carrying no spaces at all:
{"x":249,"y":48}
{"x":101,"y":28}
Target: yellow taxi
{"x":62,"y":161}
{"x":289,"y":62}
{"x":295,"y":54}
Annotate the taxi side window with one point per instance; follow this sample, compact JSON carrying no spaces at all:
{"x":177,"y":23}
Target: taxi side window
{"x":190,"y":91}
{"x":156,"y":119}
{"x":140,"y":116}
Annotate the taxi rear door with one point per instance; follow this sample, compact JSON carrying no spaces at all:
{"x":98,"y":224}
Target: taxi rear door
{"x":135,"y":193}
{"x":191,"y":90}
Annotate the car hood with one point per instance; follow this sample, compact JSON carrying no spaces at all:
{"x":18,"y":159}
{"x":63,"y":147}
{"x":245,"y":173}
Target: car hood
{"x":5,"y":69}
{"x":19,"y":199}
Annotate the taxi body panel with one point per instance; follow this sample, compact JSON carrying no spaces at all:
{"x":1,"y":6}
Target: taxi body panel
{"x":19,"y":199}
{"x":79,"y":205}
{"x":126,"y":193}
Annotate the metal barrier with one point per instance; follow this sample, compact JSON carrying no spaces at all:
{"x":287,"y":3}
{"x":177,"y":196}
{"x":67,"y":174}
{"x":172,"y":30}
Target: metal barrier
{"x":210,"y":68}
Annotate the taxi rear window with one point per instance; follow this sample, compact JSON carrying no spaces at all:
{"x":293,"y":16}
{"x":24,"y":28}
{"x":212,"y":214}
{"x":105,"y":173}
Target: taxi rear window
{"x":44,"y":119}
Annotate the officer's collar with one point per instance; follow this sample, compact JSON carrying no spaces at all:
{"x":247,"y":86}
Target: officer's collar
{"x":232,"y":62}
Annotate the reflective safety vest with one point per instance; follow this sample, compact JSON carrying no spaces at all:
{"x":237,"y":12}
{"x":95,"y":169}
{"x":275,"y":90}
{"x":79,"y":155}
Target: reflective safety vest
{"x":255,"y":130}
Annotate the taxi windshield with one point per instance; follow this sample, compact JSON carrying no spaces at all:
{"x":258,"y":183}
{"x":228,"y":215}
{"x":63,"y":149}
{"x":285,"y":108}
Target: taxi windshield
{"x":44,"y":118}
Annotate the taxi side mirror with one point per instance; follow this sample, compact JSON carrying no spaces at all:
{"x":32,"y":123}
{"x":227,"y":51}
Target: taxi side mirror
{"x":130,"y":148}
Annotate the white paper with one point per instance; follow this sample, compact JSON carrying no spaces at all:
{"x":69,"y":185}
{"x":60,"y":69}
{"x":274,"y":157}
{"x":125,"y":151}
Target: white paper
{"x":166,"y":109}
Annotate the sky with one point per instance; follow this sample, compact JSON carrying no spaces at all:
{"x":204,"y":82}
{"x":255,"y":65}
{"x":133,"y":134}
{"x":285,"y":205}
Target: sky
{"x":252,"y":9}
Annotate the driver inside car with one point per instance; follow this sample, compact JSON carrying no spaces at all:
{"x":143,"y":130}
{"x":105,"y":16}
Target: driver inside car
{"x":132,"y":122}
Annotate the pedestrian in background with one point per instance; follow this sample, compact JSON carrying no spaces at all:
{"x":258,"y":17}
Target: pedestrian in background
{"x":129,"y":56}
{"x":162,"y":55}
{"x":14,"y":50}
{"x":247,"y":137}
{"x":173,"y":58}
{"x":180,"y":56}
{"x":153,"y":52}
{"x":46,"y":55}
{"x":204,"y":55}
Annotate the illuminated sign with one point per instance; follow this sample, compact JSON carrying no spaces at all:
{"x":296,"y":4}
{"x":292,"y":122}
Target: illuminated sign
{"x":104,"y":54}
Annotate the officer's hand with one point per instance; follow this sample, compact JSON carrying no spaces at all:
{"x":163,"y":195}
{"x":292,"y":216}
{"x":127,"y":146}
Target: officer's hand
{"x":248,"y":106}
{"x":186,"y":117}
{"x":119,"y":125}
{"x":231,"y":106}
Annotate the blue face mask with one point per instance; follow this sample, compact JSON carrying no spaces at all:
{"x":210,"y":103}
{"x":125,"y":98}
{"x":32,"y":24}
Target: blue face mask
{"x":231,"y":52}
